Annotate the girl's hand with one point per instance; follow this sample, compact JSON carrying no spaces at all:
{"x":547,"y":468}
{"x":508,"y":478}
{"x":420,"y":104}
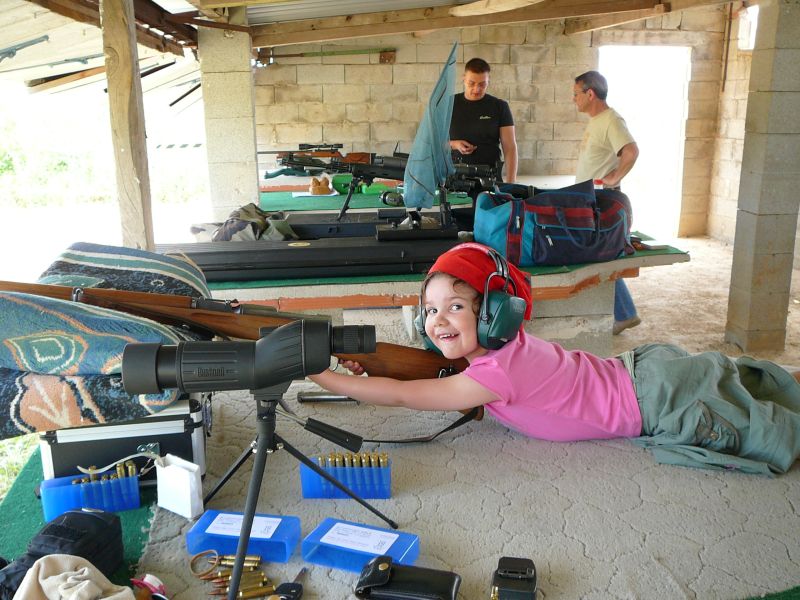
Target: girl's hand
{"x":352,"y":366}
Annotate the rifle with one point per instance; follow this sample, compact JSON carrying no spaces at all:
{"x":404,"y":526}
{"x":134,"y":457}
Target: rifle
{"x":471,"y":179}
{"x":306,"y":160}
{"x":244,"y":321}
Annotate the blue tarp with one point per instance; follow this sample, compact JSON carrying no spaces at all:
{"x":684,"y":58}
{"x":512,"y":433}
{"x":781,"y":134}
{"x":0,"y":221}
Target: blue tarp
{"x":430,"y":161}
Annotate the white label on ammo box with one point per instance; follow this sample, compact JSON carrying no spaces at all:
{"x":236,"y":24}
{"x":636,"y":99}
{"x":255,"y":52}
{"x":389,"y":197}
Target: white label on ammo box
{"x":228,"y":524}
{"x":359,"y":538}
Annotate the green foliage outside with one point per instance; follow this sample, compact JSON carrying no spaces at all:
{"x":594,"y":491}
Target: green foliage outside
{"x":50,"y":178}
{"x":6,"y":162}
{"x":14,"y":453}
{"x":45,"y":163}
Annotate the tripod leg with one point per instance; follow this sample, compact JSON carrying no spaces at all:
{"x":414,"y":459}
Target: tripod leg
{"x":266,"y":430}
{"x":231,"y":470}
{"x":310,"y":464}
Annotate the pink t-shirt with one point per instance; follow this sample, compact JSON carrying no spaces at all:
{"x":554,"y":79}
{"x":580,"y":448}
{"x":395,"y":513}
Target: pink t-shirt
{"x":554,"y":394}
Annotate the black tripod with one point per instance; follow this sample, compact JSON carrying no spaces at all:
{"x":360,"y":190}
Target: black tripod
{"x":267,"y":441}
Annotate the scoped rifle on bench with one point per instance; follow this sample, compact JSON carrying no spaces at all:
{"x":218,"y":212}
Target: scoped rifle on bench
{"x":232,"y":319}
{"x":307,"y":159}
{"x":471,"y":179}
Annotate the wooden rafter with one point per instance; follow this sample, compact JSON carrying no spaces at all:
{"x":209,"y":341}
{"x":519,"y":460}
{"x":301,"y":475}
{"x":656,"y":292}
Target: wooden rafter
{"x":48,"y":83}
{"x":193,"y":18}
{"x":77,"y":10}
{"x":150,"y":13}
{"x":224,"y":4}
{"x":428,"y":19}
{"x":220,"y":15}
{"x":485,"y":7}
{"x":572,"y":26}
{"x":87,"y":11}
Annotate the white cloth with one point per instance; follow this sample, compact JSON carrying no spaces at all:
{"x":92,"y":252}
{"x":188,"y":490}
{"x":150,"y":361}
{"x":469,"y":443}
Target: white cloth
{"x":66,"y":577}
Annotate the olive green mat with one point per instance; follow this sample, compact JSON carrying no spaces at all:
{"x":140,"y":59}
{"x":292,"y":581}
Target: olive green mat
{"x":21,"y":517}
{"x":792,"y":594}
{"x":271,"y":201}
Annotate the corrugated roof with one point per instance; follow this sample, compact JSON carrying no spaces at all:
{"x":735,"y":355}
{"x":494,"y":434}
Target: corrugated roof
{"x":317,"y":9}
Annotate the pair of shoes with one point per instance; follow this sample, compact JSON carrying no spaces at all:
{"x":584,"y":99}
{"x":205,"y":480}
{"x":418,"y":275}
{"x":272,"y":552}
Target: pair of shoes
{"x":620,"y":326}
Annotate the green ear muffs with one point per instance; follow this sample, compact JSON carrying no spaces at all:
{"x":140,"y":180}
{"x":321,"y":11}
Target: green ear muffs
{"x":500,"y":315}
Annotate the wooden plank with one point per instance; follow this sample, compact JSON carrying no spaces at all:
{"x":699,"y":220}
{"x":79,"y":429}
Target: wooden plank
{"x":83,"y":11}
{"x":215,"y":14}
{"x":572,"y":26}
{"x":77,"y":10}
{"x":44,"y":84}
{"x":431,"y":19}
{"x":149,"y":12}
{"x":416,"y":20}
{"x":485,"y":7}
{"x":127,"y":123}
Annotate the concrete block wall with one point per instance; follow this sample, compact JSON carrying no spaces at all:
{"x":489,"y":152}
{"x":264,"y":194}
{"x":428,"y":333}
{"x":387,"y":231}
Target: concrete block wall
{"x":729,"y":142}
{"x":375,"y":107}
{"x":228,"y":109}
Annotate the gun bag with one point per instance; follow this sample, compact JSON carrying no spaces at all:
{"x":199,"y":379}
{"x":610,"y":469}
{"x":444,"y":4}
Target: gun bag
{"x":91,"y":534}
{"x":567,"y":226}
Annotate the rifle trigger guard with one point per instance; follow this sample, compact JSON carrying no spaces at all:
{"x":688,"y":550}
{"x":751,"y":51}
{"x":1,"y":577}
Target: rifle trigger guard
{"x":447,"y":372}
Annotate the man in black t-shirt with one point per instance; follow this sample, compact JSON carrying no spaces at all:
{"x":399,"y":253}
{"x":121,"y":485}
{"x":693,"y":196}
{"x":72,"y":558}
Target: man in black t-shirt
{"x":481,"y":123}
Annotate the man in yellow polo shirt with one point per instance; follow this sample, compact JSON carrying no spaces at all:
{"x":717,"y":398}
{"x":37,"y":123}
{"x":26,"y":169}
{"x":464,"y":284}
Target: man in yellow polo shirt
{"x":607,"y":153}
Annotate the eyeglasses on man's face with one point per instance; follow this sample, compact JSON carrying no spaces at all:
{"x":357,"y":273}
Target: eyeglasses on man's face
{"x":575,"y":93}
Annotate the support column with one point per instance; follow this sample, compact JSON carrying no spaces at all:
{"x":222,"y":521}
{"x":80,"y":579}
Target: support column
{"x":768,"y":190}
{"x":228,"y":90}
{"x":126,"y":110}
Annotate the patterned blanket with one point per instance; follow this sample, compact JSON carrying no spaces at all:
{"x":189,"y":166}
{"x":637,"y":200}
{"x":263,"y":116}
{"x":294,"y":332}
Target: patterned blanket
{"x":60,"y":362}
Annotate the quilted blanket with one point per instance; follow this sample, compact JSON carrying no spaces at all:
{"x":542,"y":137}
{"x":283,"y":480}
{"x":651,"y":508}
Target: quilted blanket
{"x":60,"y":362}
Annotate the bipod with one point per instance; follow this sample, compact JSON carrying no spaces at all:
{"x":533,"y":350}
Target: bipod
{"x":267,"y":441}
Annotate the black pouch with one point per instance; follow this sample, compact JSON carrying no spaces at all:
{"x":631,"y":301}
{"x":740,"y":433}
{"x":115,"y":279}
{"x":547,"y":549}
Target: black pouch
{"x":382,"y":580}
{"x":91,"y":534}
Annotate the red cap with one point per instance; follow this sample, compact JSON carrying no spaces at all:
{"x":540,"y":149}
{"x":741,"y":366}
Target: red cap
{"x":473,"y":263}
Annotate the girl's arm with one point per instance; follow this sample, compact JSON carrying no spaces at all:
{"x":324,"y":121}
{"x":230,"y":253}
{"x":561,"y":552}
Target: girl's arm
{"x":457,"y":392}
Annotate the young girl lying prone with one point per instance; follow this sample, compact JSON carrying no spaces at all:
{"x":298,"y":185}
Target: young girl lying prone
{"x":705,"y":410}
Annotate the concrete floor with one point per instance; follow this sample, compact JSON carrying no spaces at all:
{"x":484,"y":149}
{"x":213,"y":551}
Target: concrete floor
{"x":599,"y":519}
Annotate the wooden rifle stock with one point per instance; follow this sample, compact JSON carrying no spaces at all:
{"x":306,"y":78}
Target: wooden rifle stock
{"x":243,"y":321}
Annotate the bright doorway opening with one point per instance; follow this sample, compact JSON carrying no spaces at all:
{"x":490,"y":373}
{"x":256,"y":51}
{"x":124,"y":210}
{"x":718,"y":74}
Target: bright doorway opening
{"x":648,"y":86}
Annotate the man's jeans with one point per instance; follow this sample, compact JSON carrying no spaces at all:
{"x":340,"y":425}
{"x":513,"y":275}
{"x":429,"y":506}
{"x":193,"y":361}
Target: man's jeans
{"x":624,"y":308}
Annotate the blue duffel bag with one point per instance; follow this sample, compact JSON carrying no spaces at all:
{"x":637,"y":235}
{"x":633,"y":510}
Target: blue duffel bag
{"x":571,"y":225}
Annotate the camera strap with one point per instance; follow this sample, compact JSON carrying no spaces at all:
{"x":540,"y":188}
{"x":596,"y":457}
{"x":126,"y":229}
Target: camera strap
{"x":475,"y":414}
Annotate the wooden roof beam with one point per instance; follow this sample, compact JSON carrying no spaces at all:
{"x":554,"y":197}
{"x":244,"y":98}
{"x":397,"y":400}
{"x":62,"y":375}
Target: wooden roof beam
{"x":48,"y":83}
{"x":204,"y":5}
{"x":85,"y":11}
{"x":485,"y":7}
{"x":81,"y":11}
{"x":220,"y":15}
{"x":572,"y":26}
{"x":429,"y":19}
{"x":147,"y":11}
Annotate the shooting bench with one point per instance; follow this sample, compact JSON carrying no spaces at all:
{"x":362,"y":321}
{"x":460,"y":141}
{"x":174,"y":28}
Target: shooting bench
{"x":572,"y":305}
